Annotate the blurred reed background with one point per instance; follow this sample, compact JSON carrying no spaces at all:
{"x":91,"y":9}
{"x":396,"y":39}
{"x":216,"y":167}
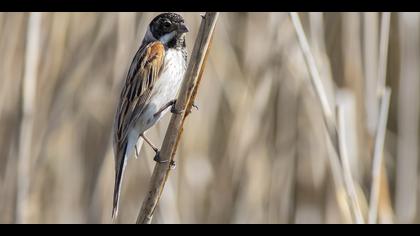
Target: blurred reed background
{"x":256,"y":151}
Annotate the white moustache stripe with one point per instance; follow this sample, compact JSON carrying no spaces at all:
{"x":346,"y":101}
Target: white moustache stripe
{"x":167,"y":37}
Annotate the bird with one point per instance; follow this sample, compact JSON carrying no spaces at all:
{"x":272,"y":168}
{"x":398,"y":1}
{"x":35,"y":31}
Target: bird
{"x":152,"y":83}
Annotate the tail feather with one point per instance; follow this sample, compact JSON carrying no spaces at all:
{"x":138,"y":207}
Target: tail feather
{"x":119,"y":175}
{"x":139,"y":145}
{"x":120,"y":163}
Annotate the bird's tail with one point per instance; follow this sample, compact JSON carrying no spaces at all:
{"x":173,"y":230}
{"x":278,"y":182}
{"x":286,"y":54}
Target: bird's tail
{"x":119,"y":175}
{"x":120,"y":163}
{"x":138,"y":147}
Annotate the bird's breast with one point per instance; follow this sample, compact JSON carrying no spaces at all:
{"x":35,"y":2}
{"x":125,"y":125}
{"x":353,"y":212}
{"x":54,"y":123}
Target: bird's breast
{"x":165,"y":88}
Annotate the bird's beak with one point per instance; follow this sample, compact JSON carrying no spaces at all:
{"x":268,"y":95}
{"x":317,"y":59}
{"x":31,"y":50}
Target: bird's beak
{"x":182,"y":29}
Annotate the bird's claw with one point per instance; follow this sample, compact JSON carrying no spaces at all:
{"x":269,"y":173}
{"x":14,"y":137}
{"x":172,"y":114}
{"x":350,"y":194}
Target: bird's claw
{"x":172,"y":163}
{"x":157,"y":158}
{"x":175,"y":111}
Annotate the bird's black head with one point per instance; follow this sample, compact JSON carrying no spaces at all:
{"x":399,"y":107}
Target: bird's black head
{"x":170,"y":29}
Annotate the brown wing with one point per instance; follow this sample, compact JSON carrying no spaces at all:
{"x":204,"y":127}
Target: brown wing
{"x":143,"y":73}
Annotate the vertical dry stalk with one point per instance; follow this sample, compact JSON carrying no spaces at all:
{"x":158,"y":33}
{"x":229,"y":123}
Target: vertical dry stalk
{"x":184,"y":102}
{"x":354,"y":80}
{"x":371,"y":69}
{"x":406,"y":195}
{"x":313,"y":70}
{"x":348,"y":178}
{"x":384,"y":99}
{"x":28,"y":97}
{"x":383,"y":51}
{"x":329,"y":117}
{"x":378,"y":156}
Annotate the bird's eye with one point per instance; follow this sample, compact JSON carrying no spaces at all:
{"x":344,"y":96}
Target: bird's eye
{"x":166,"y":24}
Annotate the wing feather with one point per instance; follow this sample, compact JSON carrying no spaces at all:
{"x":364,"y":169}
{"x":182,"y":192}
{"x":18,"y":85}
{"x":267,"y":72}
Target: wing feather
{"x":142,"y":75}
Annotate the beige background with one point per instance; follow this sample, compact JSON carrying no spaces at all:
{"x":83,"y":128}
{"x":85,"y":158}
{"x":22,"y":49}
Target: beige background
{"x":255,"y":152}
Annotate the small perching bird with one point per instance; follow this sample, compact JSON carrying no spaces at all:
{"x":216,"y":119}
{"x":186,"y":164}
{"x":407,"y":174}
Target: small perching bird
{"x":152,"y":84}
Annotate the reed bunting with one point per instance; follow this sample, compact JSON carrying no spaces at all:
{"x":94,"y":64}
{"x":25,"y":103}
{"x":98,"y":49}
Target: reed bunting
{"x":152,"y":83}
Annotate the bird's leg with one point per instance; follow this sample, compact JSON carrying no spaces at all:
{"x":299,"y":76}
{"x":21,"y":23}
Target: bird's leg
{"x":157,"y":156}
{"x":150,"y":143}
{"x":166,"y":106}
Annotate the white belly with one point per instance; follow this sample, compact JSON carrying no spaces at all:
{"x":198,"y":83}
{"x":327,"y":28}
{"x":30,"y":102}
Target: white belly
{"x":165,"y":90}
